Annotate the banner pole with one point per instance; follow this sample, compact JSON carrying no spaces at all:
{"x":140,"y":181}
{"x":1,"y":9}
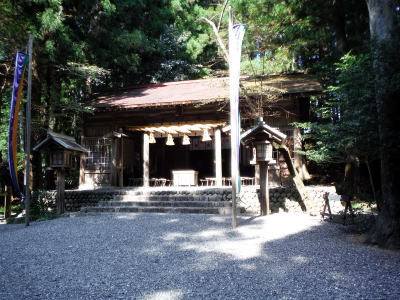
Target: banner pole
{"x":236,"y":34}
{"x":233,"y":123}
{"x":28,"y":135}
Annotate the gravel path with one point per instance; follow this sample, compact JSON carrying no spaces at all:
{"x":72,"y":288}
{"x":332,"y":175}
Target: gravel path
{"x":155,"y":256}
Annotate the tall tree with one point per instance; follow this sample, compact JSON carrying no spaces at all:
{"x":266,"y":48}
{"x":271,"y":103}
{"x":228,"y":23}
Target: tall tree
{"x":383,"y":17}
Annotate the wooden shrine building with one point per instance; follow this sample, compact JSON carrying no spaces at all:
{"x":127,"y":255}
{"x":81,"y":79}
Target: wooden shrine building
{"x":146,"y":135}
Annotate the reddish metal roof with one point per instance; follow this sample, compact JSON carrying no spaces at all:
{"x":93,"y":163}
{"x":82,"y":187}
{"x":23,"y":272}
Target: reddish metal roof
{"x":192,"y":91}
{"x":170,"y":93}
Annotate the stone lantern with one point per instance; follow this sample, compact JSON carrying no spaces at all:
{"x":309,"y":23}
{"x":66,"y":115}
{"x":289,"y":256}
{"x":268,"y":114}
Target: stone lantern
{"x":64,"y":153}
{"x":263,"y":151}
{"x":260,"y":138}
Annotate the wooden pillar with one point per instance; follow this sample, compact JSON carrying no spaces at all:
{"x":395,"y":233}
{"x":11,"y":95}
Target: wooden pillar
{"x":162,"y":160}
{"x":60,"y":203}
{"x":264,"y":188}
{"x":7,"y":202}
{"x":82,"y":159}
{"x":121,"y":163}
{"x":187,"y":158}
{"x":146,"y":159}
{"x":218,"y":157}
{"x":257,"y":174}
{"x":114,"y":153}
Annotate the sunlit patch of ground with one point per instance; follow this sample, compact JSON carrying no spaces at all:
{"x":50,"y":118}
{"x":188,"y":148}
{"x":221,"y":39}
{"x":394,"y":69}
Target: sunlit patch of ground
{"x":177,"y":256}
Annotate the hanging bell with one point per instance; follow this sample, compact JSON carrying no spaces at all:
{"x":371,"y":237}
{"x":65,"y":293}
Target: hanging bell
{"x":206,"y":136}
{"x":170,"y":140}
{"x":152,"y":140}
{"x":185,"y":140}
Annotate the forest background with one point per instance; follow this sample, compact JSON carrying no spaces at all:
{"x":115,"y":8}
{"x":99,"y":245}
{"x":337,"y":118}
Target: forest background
{"x":88,"y":46}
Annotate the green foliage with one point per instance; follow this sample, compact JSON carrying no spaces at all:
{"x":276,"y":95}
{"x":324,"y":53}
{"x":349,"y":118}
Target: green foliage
{"x":173,"y":65}
{"x":277,"y":62}
{"x":4,"y":117}
{"x":42,"y":208}
{"x":15,"y":209}
{"x":306,"y":33}
{"x":4,"y":120}
{"x":71,"y":179}
{"x":347,"y":121}
{"x":84,"y":47}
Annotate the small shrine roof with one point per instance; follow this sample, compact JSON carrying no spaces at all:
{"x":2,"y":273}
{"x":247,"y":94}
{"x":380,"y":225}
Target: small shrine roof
{"x":58,"y":140}
{"x":262,"y":129}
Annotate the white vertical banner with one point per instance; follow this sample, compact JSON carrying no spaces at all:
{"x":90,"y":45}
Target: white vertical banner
{"x":236,"y":33}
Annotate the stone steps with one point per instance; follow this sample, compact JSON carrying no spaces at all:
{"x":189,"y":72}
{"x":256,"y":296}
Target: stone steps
{"x":161,"y":202}
{"x":159,"y":209}
{"x":165,"y":203}
{"x":172,"y":197}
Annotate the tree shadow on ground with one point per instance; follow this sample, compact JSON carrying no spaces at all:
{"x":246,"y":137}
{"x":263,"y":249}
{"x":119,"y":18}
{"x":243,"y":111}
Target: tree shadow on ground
{"x":153,"y":256}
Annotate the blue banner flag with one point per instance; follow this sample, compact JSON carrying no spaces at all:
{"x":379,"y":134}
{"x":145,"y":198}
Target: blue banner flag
{"x":20,"y":63}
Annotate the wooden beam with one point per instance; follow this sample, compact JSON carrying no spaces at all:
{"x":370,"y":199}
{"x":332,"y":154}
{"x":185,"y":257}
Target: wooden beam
{"x":176,"y":129}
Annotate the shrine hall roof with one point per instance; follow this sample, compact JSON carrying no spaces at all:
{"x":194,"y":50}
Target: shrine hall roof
{"x":201,"y":90}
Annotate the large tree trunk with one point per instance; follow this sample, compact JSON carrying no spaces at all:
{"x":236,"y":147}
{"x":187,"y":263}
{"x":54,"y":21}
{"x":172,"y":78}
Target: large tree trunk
{"x":382,"y":28}
{"x":339,"y":26}
{"x":351,"y":182}
{"x":297,"y":181}
{"x":37,"y":117}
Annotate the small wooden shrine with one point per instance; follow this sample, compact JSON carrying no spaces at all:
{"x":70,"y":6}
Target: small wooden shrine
{"x":261,"y":137}
{"x":64,"y":153}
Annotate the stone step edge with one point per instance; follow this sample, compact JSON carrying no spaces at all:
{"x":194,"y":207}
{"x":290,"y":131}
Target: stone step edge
{"x":150,"y":209}
{"x":167,"y":203}
{"x":161,"y":193}
{"x":169,"y":196}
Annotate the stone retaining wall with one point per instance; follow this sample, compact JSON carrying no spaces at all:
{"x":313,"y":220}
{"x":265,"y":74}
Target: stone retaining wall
{"x":313,"y":197}
{"x":74,"y":200}
{"x":282,"y":199}
{"x":288,"y":199}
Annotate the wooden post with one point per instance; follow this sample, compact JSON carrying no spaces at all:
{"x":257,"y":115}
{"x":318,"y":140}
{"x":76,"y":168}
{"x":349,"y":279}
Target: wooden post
{"x":28,"y":135}
{"x":146,"y":159}
{"x":121,"y":163}
{"x":60,"y":203}
{"x":256,"y":174}
{"x":114,"y":153}
{"x":218,"y":158}
{"x":82,"y":159}
{"x":264,"y":188}
{"x":7,"y":202}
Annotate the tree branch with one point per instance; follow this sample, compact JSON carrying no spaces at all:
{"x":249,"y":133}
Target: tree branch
{"x":222,"y":15}
{"x":218,"y":37}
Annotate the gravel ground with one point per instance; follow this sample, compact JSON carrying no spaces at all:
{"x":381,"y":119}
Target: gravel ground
{"x":156,"y":256}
